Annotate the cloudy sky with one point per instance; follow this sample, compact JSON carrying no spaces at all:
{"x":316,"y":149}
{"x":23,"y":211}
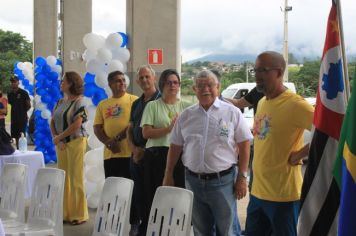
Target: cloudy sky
{"x":218,"y":26}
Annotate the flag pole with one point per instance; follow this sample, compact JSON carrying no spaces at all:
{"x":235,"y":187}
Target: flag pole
{"x":344,"y":58}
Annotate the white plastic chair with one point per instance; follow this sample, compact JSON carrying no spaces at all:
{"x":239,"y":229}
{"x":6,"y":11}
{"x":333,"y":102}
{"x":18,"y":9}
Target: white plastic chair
{"x":113,"y":212}
{"x":45,"y":216}
{"x":171,"y":212}
{"x":12,"y":192}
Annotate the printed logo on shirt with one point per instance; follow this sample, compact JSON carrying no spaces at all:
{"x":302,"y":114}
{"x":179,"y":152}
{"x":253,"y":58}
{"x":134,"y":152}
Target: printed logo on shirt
{"x":261,"y":126}
{"x":113,"y":111}
{"x":224,"y":129}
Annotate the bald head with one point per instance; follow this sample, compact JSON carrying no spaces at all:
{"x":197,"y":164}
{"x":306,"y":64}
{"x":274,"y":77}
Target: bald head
{"x":275,"y":60}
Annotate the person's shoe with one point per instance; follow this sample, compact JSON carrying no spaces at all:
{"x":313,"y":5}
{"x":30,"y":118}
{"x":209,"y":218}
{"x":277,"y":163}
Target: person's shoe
{"x":77,"y":222}
{"x":134,"y":231}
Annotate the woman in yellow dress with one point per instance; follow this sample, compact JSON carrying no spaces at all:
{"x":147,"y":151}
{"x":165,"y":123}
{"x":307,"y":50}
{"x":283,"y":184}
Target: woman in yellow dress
{"x":70,"y":138}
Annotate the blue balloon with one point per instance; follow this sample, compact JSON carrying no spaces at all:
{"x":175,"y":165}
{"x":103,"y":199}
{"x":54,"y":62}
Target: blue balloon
{"x":40,"y":76}
{"x":46,"y":98}
{"x":46,"y":68}
{"x":58,"y":62}
{"x":125,"y":39}
{"x":40,"y":61}
{"x":25,"y":82}
{"x":89,"y":89}
{"x":89,"y":78}
{"x":53,"y":75}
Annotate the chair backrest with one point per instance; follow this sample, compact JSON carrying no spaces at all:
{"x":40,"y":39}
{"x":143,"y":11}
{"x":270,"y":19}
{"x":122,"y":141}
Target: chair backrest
{"x":171,"y":212}
{"x":46,"y":206}
{"x":12,"y":192}
{"x":113,"y":212}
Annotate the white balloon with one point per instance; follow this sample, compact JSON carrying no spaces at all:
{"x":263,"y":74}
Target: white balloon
{"x":115,"y":65}
{"x":89,"y":127}
{"x":101,"y":79}
{"x":108,"y":91}
{"x":121,"y":54}
{"x":28,"y":65}
{"x":94,"y":66}
{"x":46,"y":114}
{"x":127,"y":79}
{"x":41,"y":106}
{"x":91,"y":112}
{"x":21,"y":65}
{"x":104,"y":55}
{"x":89,"y":55}
{"x":90,"y":187}
{"x":99,"y":187}
{"x":93,"y":157}
{"x":94,"y":142}
{"x":57,"y":68}
{"x":93,"y":41}
{"x":114,"y":40}
{"x":95,"y":174}
{"x":51,"y":60}
{"x":37,"y":99}
{"x":93,"y":200}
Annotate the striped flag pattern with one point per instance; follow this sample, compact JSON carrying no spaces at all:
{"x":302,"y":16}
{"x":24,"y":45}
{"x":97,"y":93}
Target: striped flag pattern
{"x":320,"y":193}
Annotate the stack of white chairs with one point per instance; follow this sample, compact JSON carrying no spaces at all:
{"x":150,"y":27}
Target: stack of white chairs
{"x":12,"y":193}
{"x":171,"y":212}
{"x":113,"y":212}
{"x":45,"y":215}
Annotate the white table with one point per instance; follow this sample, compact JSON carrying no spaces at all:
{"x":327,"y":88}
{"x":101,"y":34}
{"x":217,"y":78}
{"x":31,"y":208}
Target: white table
{"x":32,"y":159}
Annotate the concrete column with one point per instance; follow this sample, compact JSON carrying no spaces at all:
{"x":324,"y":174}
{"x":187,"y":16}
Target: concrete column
{"x":152,"y":24}
{"x":77,"y":21}
{"x":45,"y":28}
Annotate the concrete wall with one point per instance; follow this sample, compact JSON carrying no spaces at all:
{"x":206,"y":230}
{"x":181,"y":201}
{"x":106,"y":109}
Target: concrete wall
{"x":77,"y":21}
{"x":152,"y":24}
{"x":45,"y":25}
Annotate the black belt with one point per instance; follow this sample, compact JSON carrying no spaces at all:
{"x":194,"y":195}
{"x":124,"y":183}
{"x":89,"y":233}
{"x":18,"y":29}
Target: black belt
{"x":211,"y":175}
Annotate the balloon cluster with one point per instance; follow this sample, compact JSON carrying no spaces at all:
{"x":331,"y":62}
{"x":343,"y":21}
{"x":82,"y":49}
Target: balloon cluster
{"x":102,"y":56}
{"x":47,"y":74}
{"x":24,"y":71}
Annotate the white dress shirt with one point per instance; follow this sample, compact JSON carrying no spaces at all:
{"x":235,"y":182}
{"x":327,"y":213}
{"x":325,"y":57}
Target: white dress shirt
{"x":209,"y":138}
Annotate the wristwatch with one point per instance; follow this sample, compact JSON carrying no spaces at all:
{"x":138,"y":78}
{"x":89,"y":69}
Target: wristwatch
{"x":243,"y":174}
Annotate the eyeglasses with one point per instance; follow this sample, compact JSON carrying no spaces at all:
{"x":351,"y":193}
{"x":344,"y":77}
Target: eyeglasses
{"x":202,"y":86}
{"x":172,"y":82}
{"x":263,"y":70}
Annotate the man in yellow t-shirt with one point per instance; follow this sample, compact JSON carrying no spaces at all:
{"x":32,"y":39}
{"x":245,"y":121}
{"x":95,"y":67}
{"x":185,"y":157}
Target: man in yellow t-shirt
{"x":280,"y":121}
{"x":110,"y":124}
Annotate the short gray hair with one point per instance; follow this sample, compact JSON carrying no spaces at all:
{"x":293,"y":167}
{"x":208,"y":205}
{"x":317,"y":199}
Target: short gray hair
{"x":205,"y":74}
{"x":148,"y":67}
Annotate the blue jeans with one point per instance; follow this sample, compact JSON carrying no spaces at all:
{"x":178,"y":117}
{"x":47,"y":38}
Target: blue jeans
{"x":214,"y":206}
{"x":271,"y":218}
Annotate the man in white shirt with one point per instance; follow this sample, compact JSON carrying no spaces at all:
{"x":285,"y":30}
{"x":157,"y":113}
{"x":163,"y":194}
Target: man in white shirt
{"x":206,"y":134}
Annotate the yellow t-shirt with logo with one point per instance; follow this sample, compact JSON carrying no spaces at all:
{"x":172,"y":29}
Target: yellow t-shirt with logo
{"x":114,"y":114}
{"x":278,"y":131}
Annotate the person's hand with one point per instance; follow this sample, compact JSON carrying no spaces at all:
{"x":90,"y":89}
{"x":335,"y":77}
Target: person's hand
{"x":173,"y":121}
{"x":168,"y":180}
{"x":113,"y":145}
{"x":295,"y":159}
{"x":61,"y":145}
{"x":56,"y":139}
{"x":240,"y":187}
{"x":137,"y":154}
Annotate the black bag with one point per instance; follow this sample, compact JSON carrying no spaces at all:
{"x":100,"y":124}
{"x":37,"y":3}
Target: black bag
{"x":5,"y":143}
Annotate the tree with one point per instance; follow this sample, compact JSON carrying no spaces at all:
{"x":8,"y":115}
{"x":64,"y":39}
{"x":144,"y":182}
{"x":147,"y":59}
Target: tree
{"x":307,"y":78}
{"x":13,"y":47}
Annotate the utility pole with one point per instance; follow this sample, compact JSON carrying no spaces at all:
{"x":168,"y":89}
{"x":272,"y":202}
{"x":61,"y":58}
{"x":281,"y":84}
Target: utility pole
{"x":286,"y":9}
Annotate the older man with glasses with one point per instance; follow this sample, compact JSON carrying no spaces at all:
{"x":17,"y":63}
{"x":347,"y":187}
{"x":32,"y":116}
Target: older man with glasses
{"x":206,"y":136}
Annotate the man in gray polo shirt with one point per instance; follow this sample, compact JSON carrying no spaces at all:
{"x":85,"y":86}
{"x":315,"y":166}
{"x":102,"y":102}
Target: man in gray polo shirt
{"x":207,"y":134}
